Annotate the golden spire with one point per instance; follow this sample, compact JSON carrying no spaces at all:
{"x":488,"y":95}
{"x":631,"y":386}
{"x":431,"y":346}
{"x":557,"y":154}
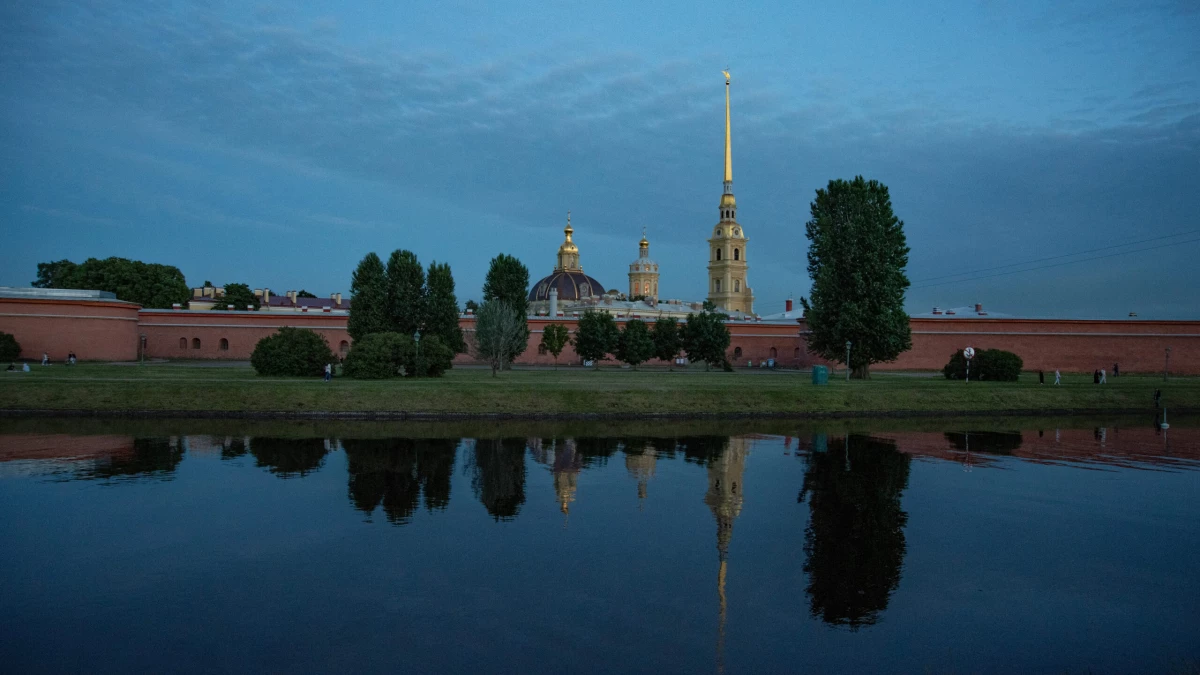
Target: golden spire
{"x":644,"y":243}
{"x":568,"y":253}
{"x":728,"y":143}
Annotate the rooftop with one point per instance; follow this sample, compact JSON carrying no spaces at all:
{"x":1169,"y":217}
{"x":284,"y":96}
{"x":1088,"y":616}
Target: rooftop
{"x":55,"y":293}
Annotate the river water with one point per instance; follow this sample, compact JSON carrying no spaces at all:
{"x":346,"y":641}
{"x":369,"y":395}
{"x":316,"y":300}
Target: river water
{"x":906,"y":546}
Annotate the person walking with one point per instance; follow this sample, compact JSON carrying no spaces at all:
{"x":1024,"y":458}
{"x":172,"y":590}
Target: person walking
{"x":1103,"y":377}
{"x":1057,"y":377}
{"x":1095,"y":377}
{"x":1041,"y":376}
{"x":1116,"y":370}
{"x":45,"y":359}
{"x":328,"y":372}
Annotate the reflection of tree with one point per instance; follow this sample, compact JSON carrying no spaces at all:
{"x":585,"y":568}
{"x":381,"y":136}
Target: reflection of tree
{"x":154,"y":457}
{"x":498,"y":478}
{"x":702,"y":450}
{"x":233,"y":448}
{"x":854,"y":545}
{"x":992,"y":442}
{"x":396,"y":472}
{"x":288,"y":457}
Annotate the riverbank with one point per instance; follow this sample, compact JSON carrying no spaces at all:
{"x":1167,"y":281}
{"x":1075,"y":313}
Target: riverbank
{"x":178,"y":390}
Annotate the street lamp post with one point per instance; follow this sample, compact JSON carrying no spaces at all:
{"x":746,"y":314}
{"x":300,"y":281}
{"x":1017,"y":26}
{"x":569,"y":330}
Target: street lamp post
{"x":142,"y":348}
{"x":417,"y":341}
{"x":848,"y":343}
{"x":1167,"y":364}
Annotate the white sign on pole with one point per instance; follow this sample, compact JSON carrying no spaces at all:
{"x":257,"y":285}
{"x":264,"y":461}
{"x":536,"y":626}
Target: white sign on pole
{"x":969,"y":353}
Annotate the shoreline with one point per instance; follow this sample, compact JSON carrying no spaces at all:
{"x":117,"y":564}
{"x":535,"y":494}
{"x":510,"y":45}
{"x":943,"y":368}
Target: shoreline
{"x":418,"y":416}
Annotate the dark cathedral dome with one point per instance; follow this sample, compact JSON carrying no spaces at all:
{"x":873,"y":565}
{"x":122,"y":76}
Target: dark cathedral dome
{"x":571,"y":285}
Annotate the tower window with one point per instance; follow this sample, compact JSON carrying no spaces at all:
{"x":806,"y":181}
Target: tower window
{"x":717,"y":285}
{"x":737,"y":285}
{"x":737,"y":254}
{"x":718,"y":254}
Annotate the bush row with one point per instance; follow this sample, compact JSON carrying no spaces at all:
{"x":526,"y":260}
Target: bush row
{"x":993,"y":365}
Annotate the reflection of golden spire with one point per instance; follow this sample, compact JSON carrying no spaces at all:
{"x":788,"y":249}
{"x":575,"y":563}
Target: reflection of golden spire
{"x":724,"y":499}
{"x":565,"y":470}
{"x":641,"y":468}
{"x":721,"y":619}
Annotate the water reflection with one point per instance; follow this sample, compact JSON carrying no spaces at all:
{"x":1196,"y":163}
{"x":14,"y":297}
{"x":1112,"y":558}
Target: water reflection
{"x":854,"y":545}
{"x":147,"y":458}
{"x":498,"y":476}
{"x":398,"y":473}
{"x":284,"y":457}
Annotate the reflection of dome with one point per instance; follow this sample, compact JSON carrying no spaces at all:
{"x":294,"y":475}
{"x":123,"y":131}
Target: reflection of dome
{"x":571,"y":285}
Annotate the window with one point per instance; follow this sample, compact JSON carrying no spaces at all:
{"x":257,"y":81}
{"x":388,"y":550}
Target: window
{"x":716,"y":285}
{"x":737,"y":232}
{"x":737,"y":254}
{"x":195,"y":343}
{"x":718,"y":254}
{"x":737,"y":352}
{"x":224,"y":345}
{"x":646,"y":288}
{"x":737,"y":285}
{"x":774,"y":354}
{"x":183,"y":343}
{"x":797,"y":354}
{"x":344,"y":347}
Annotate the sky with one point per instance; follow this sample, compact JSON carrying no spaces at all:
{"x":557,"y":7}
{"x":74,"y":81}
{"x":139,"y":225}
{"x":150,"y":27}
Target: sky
{"x":275,"y":144}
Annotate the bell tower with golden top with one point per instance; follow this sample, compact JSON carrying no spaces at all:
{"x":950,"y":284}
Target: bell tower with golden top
{"x":727,"y":267}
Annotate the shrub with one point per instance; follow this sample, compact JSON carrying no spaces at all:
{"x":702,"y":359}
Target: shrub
{"x":993,"y":365}
{"x":435,"y":358}
{"x":379,"y":356}
{"x":10,"y":349}
{"x":292,"y":351}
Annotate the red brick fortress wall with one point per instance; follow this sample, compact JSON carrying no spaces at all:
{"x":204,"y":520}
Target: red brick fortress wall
{"x":95,"y":329}
{"x":188,"y":334}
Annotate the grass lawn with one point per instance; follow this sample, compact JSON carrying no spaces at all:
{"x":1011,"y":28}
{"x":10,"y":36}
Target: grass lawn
{"x":611,"y":390}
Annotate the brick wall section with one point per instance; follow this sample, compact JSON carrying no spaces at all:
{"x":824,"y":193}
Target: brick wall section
{"x":107,"y":330}
{"x":173,"y":334}
{"x":101,"y":330}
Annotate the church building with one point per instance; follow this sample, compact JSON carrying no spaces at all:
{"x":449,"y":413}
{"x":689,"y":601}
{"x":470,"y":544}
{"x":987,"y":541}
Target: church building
{"x":727,"y":267}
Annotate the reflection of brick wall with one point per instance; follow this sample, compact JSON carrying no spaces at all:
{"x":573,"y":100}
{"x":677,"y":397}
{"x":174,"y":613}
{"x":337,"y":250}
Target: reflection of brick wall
{"x":102,"y":330}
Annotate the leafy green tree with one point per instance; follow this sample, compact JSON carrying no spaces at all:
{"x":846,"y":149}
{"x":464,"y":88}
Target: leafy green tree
{"x":635,"y":345}
{"x":596,"y":336}
{"x":369,"y":299}
{"x":471,"y":306}
{"x":856,"y":260}
{"x":667,"y":340}
{"x":10,"y":349}
{"x":292,"y":351}
{"x":854,"y":546}
{"x":406,"y":292}
{"x":555,"y":338}
{"x":441,"y":314}
{"x":304,"y":294}
{"x":706,"y":337}
{"x":151,"y":285}
{"x":238,"y":295}
{"x":507,"y":281}
{"x":500,"y":334}
{"x":54,"y":274}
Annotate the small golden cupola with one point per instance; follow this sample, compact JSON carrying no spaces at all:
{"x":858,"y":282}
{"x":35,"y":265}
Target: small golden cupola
{"x":568,"y":253}
{"x":643,"y":273}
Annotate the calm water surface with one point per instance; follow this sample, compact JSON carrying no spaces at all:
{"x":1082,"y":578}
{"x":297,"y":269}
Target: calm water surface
{"x":941,"y":546}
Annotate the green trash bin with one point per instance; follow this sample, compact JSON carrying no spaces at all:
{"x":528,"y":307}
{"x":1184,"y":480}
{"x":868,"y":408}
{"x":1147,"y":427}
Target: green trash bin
{"x":820,"y":375}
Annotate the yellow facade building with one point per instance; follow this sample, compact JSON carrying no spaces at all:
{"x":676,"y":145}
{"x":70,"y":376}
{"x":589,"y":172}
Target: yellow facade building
{"x":643,"y":273}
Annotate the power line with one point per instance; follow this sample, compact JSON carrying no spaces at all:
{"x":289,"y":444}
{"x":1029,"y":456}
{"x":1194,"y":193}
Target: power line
{"x":1068,"y":262}
{"x":1057,"y":257}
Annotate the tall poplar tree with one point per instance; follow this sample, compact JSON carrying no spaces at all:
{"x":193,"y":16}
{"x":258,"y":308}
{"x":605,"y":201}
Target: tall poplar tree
{"x":441,"y":309}
{"x":508,"y":281}
{"x":369,"y":302}
{"x":405,"y":292}
{"x":856,"y":258}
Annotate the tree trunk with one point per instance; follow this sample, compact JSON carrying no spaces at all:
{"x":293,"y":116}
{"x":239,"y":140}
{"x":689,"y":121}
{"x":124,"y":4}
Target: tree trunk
{"x":862,"y":372}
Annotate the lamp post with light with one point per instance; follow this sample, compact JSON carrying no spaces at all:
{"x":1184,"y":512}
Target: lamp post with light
{"x":848,"y":343}
{"x":1167,"y":364}
{"x":417,"y":342}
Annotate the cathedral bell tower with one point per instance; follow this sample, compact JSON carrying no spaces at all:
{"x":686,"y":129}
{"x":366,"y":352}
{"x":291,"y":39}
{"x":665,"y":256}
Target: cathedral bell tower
{"x":727,"y":267}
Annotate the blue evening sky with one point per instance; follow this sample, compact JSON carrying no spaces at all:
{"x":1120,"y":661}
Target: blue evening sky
{"x":276,"y":143}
